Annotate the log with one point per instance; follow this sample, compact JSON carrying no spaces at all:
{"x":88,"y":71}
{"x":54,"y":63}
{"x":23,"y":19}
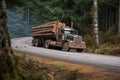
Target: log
{"x":42,"y":31}
{"x":48,"y":29}
{"x":40,"y":35}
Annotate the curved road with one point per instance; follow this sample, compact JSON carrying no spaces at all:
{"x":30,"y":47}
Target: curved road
{"x":110,"y":63}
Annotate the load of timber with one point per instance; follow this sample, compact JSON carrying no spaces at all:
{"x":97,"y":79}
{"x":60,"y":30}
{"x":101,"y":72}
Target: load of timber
{"x":48,"y":29}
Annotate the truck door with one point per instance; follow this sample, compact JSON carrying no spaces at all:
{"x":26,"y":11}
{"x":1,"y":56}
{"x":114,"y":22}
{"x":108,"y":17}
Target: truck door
{"x":60,"y":34}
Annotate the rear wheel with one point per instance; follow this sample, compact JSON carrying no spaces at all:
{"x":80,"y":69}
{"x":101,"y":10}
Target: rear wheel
{"x":47,"y":45}
{"x":40,"y":43}
{"x":66,"y":46}
{"x":80,"y":50}
{"x":36,"y":43}
{"x":33,"y":42}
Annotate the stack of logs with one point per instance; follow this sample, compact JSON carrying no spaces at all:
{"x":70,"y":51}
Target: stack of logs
{"x":48,"y":29}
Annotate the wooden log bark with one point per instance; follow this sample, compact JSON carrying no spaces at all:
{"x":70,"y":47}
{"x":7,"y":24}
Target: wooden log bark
{"x":41,"y":29}
{"x":47,"y":28}
{"x":41,"y":35}
{"x":44,"y":31}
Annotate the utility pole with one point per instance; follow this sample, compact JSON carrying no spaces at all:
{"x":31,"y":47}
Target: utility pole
{"x":119,"y":19}
{"x":96,"y":21}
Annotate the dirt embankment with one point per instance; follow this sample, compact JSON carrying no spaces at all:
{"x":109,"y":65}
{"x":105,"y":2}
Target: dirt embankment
{"x":63,"y":70}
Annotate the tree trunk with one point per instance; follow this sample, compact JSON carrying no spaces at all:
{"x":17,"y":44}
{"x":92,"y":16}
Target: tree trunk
{"x":106,"y":18}
{"x":96,"y":21}
{"x":119,"y":19}
{"x":5,"y":45}
{"x":8,"y":65}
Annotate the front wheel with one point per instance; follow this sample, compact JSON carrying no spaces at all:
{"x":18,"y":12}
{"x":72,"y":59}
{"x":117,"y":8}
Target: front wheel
{"x":66,"y":46}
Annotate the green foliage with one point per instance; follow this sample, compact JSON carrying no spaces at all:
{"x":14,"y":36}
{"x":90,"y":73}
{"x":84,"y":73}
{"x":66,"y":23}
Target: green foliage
{"x":17,"y":23}
{"x":78,"y":11}
{"x":90,"y":40}
{"x":16,"y":3}
{"x":10,"y":69}
{"x":111,"y":36}
{"x":108,"y":49}
{"x":109,"y":41}
{"x":44,"y":11}
{"x":103,"y":49}
{"x":73,"y":75}
{"x":35,"y":70}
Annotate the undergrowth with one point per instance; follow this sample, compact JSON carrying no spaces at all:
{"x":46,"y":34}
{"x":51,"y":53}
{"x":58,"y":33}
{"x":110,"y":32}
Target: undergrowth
{"x":109,"y":42}
{"x":35,"y":70}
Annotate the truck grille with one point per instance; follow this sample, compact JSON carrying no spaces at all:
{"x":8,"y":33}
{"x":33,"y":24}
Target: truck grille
{"x":78,"y":39}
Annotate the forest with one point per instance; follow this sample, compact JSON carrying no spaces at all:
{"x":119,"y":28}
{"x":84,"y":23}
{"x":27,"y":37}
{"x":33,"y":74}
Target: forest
{"x":22,"y":15}
{"x":32,"y":13}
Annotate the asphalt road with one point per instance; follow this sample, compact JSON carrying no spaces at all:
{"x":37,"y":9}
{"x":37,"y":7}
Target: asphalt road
{"x":110,"y":63}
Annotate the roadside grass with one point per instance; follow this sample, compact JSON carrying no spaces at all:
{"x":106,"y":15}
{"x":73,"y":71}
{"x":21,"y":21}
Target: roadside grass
{"x":40,"y":68}
{"x":105,"y":49}
{"x":36,"y":70}
{"x":109,"y":42}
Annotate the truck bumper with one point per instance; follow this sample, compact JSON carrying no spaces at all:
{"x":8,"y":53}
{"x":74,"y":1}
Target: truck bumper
{"x":77,"y":46}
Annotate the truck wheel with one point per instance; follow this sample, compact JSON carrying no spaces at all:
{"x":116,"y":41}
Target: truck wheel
{"x":47,"y":45}
{"x":66,"y":46}
{"x":33,"y":42}
{"x":80,"y":50}
{"x":36,"y":42}
{"x":40,"y":43}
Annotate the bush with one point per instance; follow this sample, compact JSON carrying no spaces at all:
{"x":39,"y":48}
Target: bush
{"x":90,"y":40}
{"x":103,"y":49}
{"x":110,"y":37}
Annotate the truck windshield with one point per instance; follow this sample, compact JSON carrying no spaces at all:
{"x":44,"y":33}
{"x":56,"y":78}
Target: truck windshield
{"x":70,"y":32}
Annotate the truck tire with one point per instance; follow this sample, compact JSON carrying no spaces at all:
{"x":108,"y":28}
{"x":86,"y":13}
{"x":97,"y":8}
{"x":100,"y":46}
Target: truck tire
{"x":39,"y":43}
{"x":80,"y":50}
{"x":66,"y":46}
{"x":47,"y":45}
{"x":33,"y":42}
{"x":36,"y":42}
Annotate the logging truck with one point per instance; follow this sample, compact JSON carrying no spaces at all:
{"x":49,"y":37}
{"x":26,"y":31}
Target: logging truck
{"x":57,"y":34}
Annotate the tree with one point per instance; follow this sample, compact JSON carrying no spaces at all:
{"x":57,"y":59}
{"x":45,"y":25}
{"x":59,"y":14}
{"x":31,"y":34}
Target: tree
{"x":96,"y":21}
{"x":119,"y":18}
{"x":9,"y":68}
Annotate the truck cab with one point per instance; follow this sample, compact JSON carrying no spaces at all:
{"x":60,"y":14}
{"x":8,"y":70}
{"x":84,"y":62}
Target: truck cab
{"x":70,"y":39}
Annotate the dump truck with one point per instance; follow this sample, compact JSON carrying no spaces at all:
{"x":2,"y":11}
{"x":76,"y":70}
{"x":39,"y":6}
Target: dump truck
{"x":57,"y":34}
